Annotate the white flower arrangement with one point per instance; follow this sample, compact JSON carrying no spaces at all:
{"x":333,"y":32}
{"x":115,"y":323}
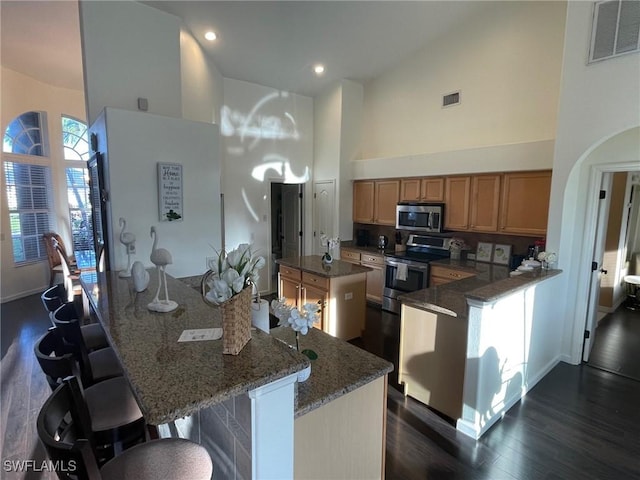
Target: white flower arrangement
{"x":330,"y":243}
{"x":547,"y":258}
{"x":231,"y":272}
{"x":300,"y":321}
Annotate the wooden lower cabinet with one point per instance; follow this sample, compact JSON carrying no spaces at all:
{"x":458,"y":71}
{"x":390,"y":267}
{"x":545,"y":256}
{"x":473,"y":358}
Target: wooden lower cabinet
{"x":342,"y":300}
{"x":433,"y":350}
{"x":375,"y":278}
{"x":344,"y":438}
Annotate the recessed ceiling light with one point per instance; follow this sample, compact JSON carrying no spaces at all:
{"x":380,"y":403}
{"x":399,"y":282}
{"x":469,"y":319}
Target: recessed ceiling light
{"x":210,"y":35}
{"x":319,"y":69}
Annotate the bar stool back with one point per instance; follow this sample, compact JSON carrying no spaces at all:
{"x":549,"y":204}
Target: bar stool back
{"x":66,"y":441}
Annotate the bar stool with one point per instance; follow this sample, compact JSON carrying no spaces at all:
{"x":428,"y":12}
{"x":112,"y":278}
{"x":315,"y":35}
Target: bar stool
{"x":53,"y":297}
{"x":633,"y":291}
{"x":114,"y":415}
{"x":173,"y":458}
{"x":93,"y":335}
{"x":96,"y":365}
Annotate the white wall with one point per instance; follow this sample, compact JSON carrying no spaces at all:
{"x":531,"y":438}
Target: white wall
{"x":597,"y":102}
{"x":130,"y":50}
{"x":259,"y":126}
{"x":136,"y":143}
{"x":337,"y":142}
{"x":20,"y":94}
{"x":506,"y":62}
{"x":201,"y":82}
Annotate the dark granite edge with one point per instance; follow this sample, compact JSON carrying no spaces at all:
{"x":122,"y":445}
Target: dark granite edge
{"x":501,"y":288}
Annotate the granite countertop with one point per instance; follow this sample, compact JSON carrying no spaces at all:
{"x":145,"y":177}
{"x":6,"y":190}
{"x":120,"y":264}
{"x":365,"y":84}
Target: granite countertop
{"x":339,"y":369}
{"x":313,"y":264}
{"x":350,"y":245}
{"x":170,"y":379}
{"x":490,"y":284}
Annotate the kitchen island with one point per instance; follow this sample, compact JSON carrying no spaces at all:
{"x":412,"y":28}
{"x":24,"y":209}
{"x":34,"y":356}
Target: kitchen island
{"x":339,"y":288}
{"x":465,"y":345}
{"x":233,"y":405}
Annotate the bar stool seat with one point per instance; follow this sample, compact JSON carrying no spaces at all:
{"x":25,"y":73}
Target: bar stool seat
{"x":104,"y":364}
{"x":94,"y":336}
{"x":111,"y":404}
{"x":174,"y":458}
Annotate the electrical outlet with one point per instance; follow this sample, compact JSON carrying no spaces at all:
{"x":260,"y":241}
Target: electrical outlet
{"x":348,"y":296}
{"x":131,"y":248}
{"x":471,"y":256}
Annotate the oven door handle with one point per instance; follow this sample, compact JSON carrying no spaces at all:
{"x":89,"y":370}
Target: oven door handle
{"x":410,"y":265}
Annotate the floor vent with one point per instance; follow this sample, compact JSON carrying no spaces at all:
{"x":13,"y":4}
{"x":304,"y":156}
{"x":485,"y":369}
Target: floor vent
{"x":451,"y":99}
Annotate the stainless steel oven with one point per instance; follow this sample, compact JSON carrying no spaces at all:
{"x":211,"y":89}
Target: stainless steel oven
{"x":408,"y":271}
{"x":402,"y":276}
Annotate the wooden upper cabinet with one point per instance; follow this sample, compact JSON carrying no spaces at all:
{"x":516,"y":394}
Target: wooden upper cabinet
{"x":422,"y":189}
{"x":432,"y":189}
{"x":525,"y":203}
{"x":485,"y":202}
{"x":363,"y":192}
{"x":410,"y":190}
{"x":387,"y":194}
{"x":456,"y":198}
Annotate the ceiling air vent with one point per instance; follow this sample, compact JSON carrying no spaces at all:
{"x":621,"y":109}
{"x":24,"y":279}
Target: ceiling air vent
{"x":451,"y":99}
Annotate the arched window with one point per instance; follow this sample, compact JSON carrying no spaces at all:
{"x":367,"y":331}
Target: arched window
{"x":28,"y":186}
{"x":25,"y":135}
{"x":75,"y":140}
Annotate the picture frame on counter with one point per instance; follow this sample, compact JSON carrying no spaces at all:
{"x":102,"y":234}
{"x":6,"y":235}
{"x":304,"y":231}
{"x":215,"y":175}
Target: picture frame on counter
{"x":484,"y":252}
{"x":501,"y":254}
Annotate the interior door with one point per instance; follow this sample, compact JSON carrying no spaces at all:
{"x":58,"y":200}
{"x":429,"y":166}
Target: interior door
{"x":291,"y":204}
{"x":324,"y":194}
{"x":597,"y":272}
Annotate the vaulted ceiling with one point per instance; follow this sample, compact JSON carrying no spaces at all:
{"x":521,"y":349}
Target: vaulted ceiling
{"x":269,"y":43}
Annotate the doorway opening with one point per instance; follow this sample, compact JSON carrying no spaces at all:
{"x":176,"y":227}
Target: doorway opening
{"x":616,"y":241}
{"x":286,"y":225}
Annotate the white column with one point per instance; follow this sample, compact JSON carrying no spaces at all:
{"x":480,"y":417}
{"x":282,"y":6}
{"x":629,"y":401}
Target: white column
{"x":272,"y":416}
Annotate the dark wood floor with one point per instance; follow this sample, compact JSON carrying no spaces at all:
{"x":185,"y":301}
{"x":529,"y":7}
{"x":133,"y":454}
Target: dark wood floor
{"x":578,"y":422}
{"x":617,"y":343}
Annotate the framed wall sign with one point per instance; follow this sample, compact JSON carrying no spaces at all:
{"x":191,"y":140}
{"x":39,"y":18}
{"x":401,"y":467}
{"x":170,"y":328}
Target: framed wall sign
{"x":501,"y":254}
{"x":484,"y":252}
{"x":170,"y":192}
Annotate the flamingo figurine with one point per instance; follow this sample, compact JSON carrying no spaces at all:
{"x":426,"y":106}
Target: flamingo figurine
{"x":128,"y":239}
{"x":160,"y":257}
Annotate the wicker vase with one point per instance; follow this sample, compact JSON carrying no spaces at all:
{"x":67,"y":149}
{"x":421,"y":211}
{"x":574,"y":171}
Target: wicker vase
{"x":236,"y":322}
{"x":236,"y":318}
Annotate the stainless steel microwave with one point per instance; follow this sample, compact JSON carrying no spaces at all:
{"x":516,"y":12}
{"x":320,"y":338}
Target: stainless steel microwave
{"x":420,"y":217}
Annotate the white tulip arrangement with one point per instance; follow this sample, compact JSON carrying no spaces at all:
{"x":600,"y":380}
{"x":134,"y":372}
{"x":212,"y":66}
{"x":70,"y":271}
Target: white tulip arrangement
{"x":232,"y":272}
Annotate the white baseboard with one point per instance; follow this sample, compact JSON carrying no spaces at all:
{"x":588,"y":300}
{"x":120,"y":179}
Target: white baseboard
{"x":20,"y":295}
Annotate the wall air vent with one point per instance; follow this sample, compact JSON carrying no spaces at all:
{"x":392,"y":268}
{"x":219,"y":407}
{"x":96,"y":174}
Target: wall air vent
{"x":451,"y":99}
{"x":616,"y":29}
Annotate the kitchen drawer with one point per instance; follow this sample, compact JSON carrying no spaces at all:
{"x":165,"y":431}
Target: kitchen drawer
{"x":350,"y":256}
{"x":449,"y":274}
{"x":292,"y":273}
{"x":371,"y":259}
{"x":315,"y":280}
